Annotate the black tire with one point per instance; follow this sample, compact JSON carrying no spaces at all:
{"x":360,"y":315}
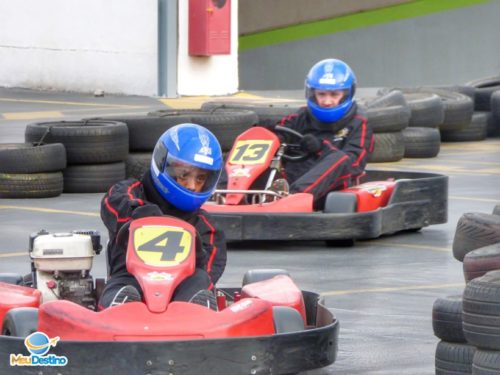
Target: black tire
{"x":457,"y":107}
{"x":389,"y":147}
{"x":20,"y":322}
{"x":447,"y":319}
{"x":427,"y":108}
{"x":27,"y":158}
{"x":493,"y":129}
{"x":475,"y":230}
{"x":144,"y":131}
{"x":388,"y":119}
{"x":481,"y":311}
{"x":225,"y":124}
{"x":485,"y":87}
{"x":462,"y":89}
{"x":475,"y":131}
{"x":97,"y":178}
{"x":343,"y":203}
{"x":486,"y":362}
{"x":478,"y":262}
{"x":267,"y":113}
{"x":137,"y":164}
{"x":256,"y":275}
{"x":86,"y":142}
{"x":421,"y":142}
{"x":454,"y":358}
{"x":287,"y":319}
{"x":388,"y":98}
{"x":31,"y":185}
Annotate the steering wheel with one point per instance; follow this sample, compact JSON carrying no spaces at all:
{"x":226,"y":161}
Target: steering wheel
{"x":296,"y":152}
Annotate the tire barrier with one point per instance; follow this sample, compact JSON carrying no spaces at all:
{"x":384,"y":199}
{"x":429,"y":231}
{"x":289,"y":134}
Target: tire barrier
{"x":485,"y":87}
{"x":95,"y":151}
{"x":480,"y":261}
{"x":31,"y":171}
{"x":421,"y":142}
{"x":454,"y":358}
{"x":475,"y":230}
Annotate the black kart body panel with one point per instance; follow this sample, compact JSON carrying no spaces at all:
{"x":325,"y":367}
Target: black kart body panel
{"x":418,"y":200}
{"x":285,"y":353}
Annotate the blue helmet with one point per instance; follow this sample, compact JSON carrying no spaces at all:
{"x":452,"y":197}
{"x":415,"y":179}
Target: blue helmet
{"x":330,"y":74}
{"x":182,"y":151}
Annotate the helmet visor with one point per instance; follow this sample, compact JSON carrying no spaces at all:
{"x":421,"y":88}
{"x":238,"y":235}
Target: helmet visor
{"x":190,"y":177}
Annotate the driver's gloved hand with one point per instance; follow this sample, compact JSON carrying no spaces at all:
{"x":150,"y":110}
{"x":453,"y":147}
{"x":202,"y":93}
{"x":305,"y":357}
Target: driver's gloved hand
{"x":310,"y":143}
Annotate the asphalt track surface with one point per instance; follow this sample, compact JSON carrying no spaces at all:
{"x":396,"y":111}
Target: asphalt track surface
{"x":380,"y":290}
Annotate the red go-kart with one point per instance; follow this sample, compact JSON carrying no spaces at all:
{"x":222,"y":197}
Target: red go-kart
{"x":379,"y":202}
{"x":266,"y":326}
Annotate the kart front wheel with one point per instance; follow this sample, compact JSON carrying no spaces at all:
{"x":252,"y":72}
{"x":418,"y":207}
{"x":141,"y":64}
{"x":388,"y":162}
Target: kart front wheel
{"x":287,"y":319}
{"x":20,"y":322}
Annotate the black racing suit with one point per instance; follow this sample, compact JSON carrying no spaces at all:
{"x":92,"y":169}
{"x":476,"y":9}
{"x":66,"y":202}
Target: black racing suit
{"x":132,"y":199}
{"x":345,"y":146}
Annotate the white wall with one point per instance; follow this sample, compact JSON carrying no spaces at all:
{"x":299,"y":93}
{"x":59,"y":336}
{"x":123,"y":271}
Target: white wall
{"x":79,"y":45}
{"x":213,"y":75}
{"x":84,"y":45}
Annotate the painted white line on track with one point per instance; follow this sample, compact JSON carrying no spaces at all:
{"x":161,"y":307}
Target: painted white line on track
{"x":17,"y":254}
{"x":49,"y":210}
{"x":390,"y":289}
{"x":409,"y":246}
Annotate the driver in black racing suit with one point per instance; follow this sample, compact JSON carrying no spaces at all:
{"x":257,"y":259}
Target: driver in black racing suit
{"x":337,"y":137}
{"x":185,"y":168}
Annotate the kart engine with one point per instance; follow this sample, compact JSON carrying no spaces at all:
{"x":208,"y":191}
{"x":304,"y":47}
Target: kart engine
{"x":61,"y":263}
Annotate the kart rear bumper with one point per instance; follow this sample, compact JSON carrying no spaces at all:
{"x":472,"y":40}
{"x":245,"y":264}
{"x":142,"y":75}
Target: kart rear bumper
{"x":277,"y":354}
{"x":418,"y":200}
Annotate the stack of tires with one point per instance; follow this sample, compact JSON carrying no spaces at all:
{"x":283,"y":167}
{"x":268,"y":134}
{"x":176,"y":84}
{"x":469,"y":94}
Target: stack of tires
{"x":468,"y":325}
{"x":31,"y":170}
{"x":487,"y":104}
{"x":388,"y":115}
{"x":144,"y":131}
{"x":95,"y":151}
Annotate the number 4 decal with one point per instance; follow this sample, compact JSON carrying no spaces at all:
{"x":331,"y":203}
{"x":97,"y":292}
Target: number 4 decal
{"x":162,"y":246}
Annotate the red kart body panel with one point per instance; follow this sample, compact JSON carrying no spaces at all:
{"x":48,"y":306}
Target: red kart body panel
{"x":279,"y":291}
{"x":371,"y":195}
{"x":161,"y":254}
{"x":300,"y":202}
{"x":134,"y":322}
{"x":17,"y":296}
{"x":250,"y":156}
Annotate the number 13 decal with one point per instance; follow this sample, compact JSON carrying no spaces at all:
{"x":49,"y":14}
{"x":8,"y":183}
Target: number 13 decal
{"x":250,"y":152}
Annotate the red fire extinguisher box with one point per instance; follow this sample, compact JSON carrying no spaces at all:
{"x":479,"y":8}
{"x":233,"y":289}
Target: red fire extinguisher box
{"x":209,"y":27}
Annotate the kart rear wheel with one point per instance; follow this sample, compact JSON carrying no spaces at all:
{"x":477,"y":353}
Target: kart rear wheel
{"x":253,"y":276}
{"x":20,"y":322}
{"x":287,"y":319}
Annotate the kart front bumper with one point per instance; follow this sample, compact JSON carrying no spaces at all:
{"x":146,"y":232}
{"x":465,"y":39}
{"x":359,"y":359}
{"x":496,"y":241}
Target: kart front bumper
{"x":276,"y":354}
{"x":418,"y":200}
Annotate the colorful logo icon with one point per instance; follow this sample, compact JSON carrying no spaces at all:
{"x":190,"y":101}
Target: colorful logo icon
{"x":39,"y":344}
